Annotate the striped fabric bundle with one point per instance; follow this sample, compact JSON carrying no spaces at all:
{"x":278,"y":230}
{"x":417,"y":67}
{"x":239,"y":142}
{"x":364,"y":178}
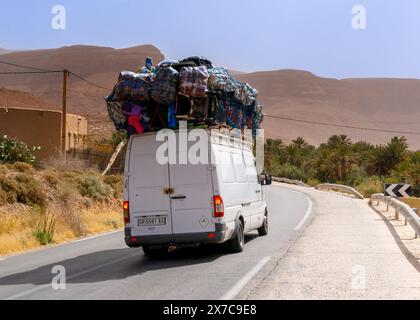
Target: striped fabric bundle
{"x":193,"y":81}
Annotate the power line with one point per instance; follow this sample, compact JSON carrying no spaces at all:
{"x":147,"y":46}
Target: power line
{"x":26,"y":67}
{"x":341,"y":126}
{"x":89,"y":82}
{"x":31,"y":72}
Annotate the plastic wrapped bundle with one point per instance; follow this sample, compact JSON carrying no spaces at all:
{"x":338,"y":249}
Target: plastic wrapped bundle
{"x":221,"y":80}
{"x":193,"y":81}
{"x":132,"y":87}
{"x":246,"y":94}
{"x":257,"y":118}
{"x":198,"y":61}
{"x":164,"y":86}
{"x":116,"y":114}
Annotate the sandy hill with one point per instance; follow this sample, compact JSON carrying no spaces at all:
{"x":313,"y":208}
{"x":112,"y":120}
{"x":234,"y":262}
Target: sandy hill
{"x":21,"y":99}
{"x":4,"y":51}
{"x":100,"y":65}
{"x":391,"y":104}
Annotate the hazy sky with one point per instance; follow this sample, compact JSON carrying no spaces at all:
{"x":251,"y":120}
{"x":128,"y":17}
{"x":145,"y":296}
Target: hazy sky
{"x":247,"y":35}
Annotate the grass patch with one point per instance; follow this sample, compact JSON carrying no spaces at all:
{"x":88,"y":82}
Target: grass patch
{"x":17,"y":228}
{"x":74,"y":204}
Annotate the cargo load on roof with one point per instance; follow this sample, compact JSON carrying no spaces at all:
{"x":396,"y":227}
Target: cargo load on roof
{"x":191,"y":89}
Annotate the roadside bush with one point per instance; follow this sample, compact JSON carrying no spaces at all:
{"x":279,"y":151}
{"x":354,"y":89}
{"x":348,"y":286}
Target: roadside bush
{"x":30,"y":190}
{"x":356,"y":176}
{"x":370,"y":186}
{"x":22,"y":166}
{"x":91,"y":186}
{"x":51,"y":178}
{"x":12,"y":150}
{"x":10,"y":187}
{"x":313,"y":182}
{"x":45,"y":229}
{"x":70,"y":213}
{"x":289,"y":171}
{"x":24,"y":189}
{"x":116,"y":182}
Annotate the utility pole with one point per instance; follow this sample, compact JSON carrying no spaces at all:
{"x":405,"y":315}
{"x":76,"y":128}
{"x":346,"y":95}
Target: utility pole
{"x":66,"y":74}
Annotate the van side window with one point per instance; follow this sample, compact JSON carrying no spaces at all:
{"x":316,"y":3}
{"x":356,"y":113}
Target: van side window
{"x":240,"y":168}
{"x":251,"y":170}
{"x":226,"y":163}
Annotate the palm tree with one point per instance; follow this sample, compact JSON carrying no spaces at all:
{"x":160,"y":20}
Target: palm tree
{"x":336,"y":141}
{"x":300,"y":143}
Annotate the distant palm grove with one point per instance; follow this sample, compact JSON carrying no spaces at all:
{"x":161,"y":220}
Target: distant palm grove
{"x":361,"y":165}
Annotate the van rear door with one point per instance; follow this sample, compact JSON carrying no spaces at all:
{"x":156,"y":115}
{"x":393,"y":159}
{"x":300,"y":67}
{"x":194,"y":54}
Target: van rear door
{"x":191,"y":202}
{"x":150,"y":212}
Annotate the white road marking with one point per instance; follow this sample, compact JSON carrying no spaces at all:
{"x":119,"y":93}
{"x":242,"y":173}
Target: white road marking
{"x":78,"y":274}
{"x":233,"y":292}
{"x":306,"y":216}
{"x":97,"y":236}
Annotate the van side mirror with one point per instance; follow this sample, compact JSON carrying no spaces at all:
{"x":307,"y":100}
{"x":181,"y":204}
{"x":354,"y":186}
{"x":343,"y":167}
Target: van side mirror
{"x":268,"y":179}
{"x":265,"y":179}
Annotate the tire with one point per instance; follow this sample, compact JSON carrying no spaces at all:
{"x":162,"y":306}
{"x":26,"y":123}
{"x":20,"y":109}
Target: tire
{"x":236,"y":244}
{"x":149,"y":252}
{"x":263,"y":230}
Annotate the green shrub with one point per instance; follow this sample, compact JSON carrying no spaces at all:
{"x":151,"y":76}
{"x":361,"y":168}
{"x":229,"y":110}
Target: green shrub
{"x":289,"y":171}
{"x":313,"y":182}
{"x":370,"y":186}
{"x":92,"y":187}
{"x":116,"y":182}
{"x":12,"y":150}
{"x":356,"y":176}
{"x":45,"y":229}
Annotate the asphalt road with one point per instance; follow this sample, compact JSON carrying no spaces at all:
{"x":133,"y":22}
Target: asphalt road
{"x":104,"y":268}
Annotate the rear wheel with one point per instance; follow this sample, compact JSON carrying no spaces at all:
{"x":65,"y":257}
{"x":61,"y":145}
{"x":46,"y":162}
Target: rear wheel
{"x":263,"y":230}
{"x":236,"y":244}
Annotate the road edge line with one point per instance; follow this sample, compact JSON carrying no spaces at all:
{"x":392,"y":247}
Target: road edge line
{"x":234,"y":291}
{"x":306,"y":216}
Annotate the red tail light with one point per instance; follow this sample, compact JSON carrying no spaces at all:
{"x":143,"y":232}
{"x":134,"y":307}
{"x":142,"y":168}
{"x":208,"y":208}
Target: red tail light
{"x":126,"y":210}
{"x":219,"y":208}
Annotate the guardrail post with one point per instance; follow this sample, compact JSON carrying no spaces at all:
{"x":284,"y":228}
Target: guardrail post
{"x":397,"y":214}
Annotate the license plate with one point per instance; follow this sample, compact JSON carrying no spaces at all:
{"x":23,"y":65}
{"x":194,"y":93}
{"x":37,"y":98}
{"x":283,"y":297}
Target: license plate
{"x":151,"y":221}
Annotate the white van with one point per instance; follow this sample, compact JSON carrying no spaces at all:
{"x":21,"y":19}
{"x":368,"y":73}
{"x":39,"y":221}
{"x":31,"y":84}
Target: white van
{"x":176,"y":204}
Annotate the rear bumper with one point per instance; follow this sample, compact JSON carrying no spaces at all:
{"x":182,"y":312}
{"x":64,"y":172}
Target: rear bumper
{"x":218,"y":236}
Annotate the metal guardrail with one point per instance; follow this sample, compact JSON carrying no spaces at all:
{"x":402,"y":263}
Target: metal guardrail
{"x":400,"y":207}
{"x":339,"y":187}
{"x":290,"y":181}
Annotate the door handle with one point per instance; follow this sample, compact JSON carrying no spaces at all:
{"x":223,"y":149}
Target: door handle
{"x":178,"y":197}
{"x":257,"y":191}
